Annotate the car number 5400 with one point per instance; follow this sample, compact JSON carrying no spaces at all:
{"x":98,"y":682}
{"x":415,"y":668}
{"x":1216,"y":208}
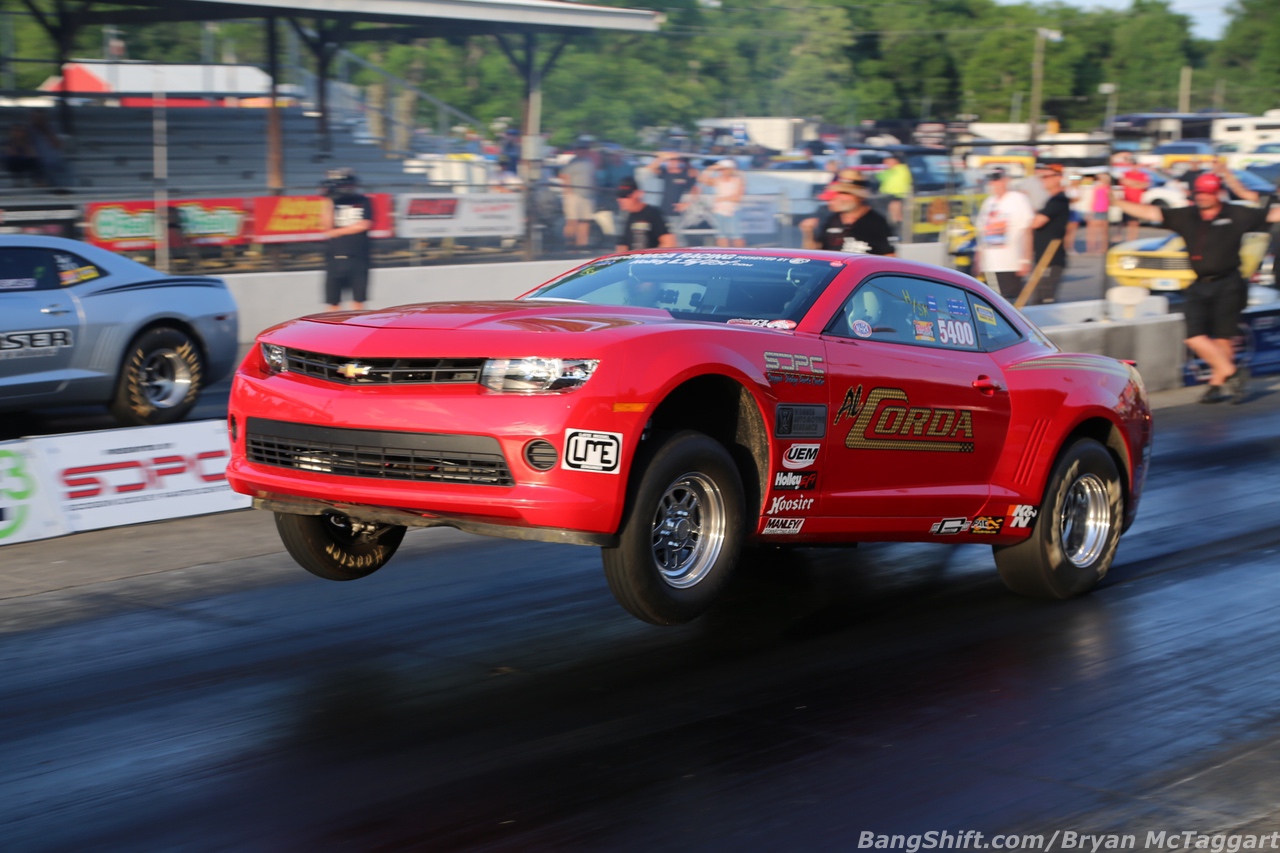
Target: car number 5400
{"x":956,"y":332}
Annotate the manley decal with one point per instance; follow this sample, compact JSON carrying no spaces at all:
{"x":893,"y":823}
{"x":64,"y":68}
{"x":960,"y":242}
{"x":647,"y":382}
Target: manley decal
{"x":895,"y":425}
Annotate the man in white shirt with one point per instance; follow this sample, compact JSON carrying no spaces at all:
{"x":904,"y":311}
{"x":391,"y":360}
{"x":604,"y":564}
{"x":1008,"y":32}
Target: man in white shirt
{"x":1004,"y":235}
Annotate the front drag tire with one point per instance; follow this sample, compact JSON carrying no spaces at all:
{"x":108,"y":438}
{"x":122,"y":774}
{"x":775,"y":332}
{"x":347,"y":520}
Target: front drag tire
{"x":326,"y":546}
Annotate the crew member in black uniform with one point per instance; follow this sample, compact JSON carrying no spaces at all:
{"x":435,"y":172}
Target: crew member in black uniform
{"x":1213,"y":232}
{"x":851,"y":226}
{"x":347,"y":251}
{"x":645,"y":228}
{"x":1050,"y":224}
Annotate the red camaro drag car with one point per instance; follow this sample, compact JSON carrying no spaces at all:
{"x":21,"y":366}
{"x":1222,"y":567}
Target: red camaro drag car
{"x":676,"y":406}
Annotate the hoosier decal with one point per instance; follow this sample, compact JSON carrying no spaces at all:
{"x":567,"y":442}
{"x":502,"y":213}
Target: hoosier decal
{"x":897,"y":426}
{"x":789,"y":505}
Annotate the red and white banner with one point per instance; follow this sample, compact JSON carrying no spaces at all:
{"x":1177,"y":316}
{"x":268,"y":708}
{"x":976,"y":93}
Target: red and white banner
{"x":131,"y":225}
{"x":301,"y":218}
{"x":438,"y":215}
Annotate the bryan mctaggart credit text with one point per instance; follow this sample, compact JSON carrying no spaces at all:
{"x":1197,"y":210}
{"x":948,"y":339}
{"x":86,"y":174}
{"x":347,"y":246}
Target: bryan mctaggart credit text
{"x":1071,"y":840}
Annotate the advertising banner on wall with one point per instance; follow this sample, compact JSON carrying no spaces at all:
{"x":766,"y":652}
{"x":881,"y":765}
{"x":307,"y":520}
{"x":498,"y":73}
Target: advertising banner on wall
{"x":28,"y":504}
{"x":300,"y":218}
{"x":128,"y":476}
{"x":131,"y":225}
{"x":49,"y":220}
{"x":436,"y":215}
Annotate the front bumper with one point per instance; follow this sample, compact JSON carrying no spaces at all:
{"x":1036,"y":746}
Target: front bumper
{"x":559,"y":504}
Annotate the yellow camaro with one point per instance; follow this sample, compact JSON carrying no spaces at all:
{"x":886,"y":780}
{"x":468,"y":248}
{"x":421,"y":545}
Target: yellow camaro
{"x":1161,"y":263}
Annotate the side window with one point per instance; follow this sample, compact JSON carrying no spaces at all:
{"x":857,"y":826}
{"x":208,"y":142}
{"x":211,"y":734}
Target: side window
{"x":994,"y":331}
{"x":914,"y":311}
{"x":27,"y":269}
{"x":73,"y":269}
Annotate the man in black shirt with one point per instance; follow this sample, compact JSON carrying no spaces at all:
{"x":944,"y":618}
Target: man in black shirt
{"x":1050,"y":224}
{"x":1213,"y":232}
{"x":346,"y":251}
{"x":645,"y":228}
{"x":678,"y":179}
{"x":852,"y":226}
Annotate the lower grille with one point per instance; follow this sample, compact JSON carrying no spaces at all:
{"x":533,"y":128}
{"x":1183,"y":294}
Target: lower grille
{"x":1164,"y":263}
{"x":421,"y":457}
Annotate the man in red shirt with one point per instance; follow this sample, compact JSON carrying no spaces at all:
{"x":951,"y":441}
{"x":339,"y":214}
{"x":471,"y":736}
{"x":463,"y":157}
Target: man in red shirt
{"x":1135,"y":182}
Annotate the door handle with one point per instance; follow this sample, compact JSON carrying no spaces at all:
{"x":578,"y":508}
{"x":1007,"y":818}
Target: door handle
{"x":54,"y":309}
{"x":987,"y":385}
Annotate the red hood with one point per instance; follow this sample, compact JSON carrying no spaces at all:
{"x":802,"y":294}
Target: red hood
{"x":528,"y":316}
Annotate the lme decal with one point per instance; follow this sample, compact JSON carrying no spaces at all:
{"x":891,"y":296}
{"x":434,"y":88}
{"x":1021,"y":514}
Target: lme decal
{"x":885,"y":421}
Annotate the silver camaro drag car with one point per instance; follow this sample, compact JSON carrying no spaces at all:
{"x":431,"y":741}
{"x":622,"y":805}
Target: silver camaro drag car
{"x":81,"y":325}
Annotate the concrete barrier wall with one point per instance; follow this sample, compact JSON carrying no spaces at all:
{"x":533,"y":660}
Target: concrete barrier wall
{"x":265,"y":299}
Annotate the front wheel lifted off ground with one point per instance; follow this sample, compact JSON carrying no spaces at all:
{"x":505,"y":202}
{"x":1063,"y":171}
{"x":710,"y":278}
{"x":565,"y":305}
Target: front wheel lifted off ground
{"x":682,"y":530}
{"x":1074,"y":537}
{"x":332,"y":547}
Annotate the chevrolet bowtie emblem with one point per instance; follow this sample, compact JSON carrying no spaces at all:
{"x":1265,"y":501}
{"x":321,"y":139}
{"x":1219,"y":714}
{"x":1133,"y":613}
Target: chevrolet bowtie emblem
{"x":351,"y":370}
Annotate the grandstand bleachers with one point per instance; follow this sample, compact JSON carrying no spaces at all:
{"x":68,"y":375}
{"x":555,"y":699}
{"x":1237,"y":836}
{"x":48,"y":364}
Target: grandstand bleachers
{"x":214,"y":151}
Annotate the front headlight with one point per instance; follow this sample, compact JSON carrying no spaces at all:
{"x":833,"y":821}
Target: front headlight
{"x":1128,"y":262}
{"x":536,"y":375}
{"x":274,"y":357}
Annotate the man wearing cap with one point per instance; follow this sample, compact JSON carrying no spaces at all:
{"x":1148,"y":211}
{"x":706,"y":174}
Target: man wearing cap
{"x":852,"y":225}
{"x":1004,"y":235}
{"x":645,"y":228}
{"x":1050,"y":223}
{"x":678,"y":179}
{"x":1213,"y":232}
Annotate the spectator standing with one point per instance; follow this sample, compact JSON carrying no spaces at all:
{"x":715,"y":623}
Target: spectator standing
{"x":645,"y":227}
{"x":48,"y":148}
{"x":20,"y":158}
{"x":727,"y":189}
{"x":678,"y":180}
{"x":1050,"y":223}
{"x":1004,"y":235}
{"x":1135,"y":182}
{"x":1073,"y":192}
{"x":895,"y":182}
{"x":1213,"y":232}
{"x":578,"y":188}
{"x":347,"y":249}
{"x":1098,"y":229}
{"x":852,"y":225}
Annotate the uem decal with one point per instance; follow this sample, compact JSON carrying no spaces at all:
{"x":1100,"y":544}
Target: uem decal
{"x":800,"y":456}
{"x":897,"y":426}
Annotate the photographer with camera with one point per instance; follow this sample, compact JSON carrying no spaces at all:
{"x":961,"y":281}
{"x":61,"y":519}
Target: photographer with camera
{"x":347,"y":252}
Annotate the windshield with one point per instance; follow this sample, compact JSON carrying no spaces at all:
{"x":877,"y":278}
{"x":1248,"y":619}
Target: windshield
{"x":715,"y":286}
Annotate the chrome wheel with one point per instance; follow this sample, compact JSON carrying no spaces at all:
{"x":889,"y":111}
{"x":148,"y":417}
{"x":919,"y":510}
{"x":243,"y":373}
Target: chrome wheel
{"x":688,"y":530}
{"x":1085,"y":521}
{"x":165,"y":378}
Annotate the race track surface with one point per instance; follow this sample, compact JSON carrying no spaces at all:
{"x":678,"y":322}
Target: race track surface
{"x":183,"y":685}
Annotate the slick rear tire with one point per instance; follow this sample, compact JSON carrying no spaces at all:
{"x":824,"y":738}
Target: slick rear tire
{"x":1074,"y":537}
{"x":682,"y":530}
{"x":160,"y":379}
{"x":326,"y":546}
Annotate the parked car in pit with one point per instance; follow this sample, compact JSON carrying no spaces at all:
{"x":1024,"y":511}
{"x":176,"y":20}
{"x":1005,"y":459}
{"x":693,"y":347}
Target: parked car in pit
{"x":676,"y":406}
{"x":80,"y":325}
{"x":1160,"y":263}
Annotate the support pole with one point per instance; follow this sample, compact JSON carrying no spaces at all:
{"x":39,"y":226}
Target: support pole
{"x":160,"y":168}
{"x":275,"y":141}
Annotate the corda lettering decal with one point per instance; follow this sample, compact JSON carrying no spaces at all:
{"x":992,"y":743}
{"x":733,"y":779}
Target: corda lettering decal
{"x":138,"y":475}
{"x":901,"y":427}
{"x":794,"y":368}
{"x":785,"y":526}
{"x":800,"y":456}
{"x":801,"y":422}
{"x":789,"y":505}
{"x":948,"y":526}
{"x":1021,"y":515}
{"x":788,"y":481}
{"x":592,"y":451}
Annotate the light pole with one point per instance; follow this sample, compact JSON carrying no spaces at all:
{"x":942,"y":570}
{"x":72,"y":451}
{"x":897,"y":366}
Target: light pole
{"x":1109,"y":89}
{"x":1037,"y":74}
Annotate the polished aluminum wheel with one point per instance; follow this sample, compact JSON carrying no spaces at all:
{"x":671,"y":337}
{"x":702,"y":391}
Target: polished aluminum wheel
{"x":1085,"y":520}
{"x":688,"y":530}
{"x":165,"y":378}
